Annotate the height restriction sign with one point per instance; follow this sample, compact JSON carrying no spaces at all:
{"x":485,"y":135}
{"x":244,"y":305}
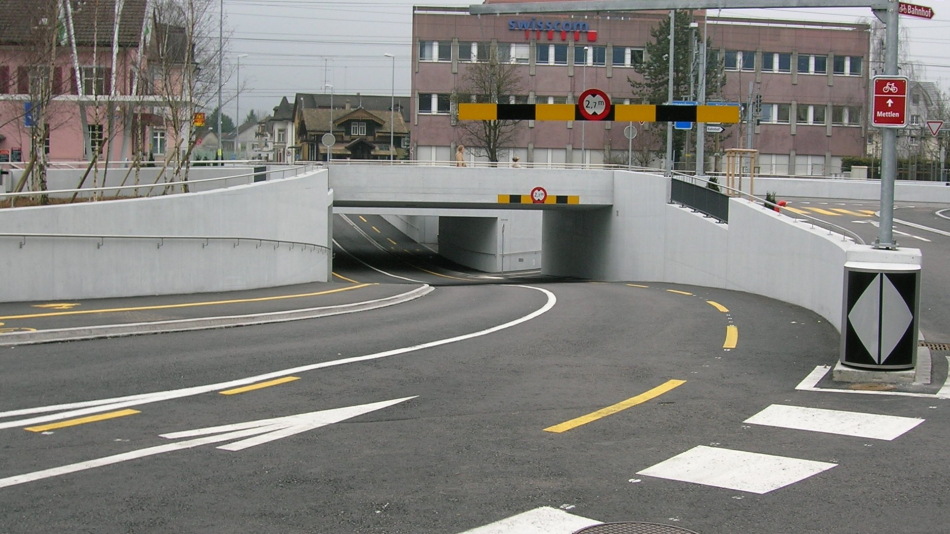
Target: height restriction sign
{"x":889,"y":105}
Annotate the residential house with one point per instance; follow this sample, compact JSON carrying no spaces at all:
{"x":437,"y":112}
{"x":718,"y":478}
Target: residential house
{"x":362,"y":131}
{"x":280,"y":127}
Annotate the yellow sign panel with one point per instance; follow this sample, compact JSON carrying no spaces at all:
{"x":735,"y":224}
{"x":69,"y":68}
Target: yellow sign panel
{"x":199,"y":120}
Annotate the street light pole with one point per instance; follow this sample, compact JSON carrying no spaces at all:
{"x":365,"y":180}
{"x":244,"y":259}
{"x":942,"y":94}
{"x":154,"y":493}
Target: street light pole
{"x":392,"y":110}
{"x":330,"y":130}
{"x":220,"y":76}
{"x":237,"y":101}
{"x":669,"y":125}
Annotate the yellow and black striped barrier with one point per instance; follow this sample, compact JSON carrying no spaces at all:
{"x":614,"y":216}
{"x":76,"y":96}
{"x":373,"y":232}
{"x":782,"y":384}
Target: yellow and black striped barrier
{"x":619,"y":113}
{"x":527,"y":199}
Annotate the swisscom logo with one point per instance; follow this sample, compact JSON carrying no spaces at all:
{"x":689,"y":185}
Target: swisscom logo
{"x":564,"y":27}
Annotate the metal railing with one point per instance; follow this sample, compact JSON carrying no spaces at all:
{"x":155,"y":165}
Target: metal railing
{"x":160,"y":240}
{"x":732,"y":192}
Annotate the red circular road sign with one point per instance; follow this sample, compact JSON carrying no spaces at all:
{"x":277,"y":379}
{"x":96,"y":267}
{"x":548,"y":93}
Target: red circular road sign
{"x":538,"y":195}
{"x":594,"y":104}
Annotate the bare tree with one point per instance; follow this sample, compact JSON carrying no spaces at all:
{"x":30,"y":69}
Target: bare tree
{"x":493,"y":81}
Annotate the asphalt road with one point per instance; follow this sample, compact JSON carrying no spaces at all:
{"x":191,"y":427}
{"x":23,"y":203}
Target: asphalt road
{"x":481,"y":401}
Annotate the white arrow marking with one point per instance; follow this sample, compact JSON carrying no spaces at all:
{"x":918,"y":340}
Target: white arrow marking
{"x":81,"y":409}
{"x":890,"y":102}
{"x":265,"y":430}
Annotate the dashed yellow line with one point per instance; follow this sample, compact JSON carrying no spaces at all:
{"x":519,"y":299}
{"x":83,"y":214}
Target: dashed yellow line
{"x":260,"y":385}
{"x":732,"y":337}
{"x":637,"y":285}
{"x":869,"y":212}
{"x":718,"y":306}
{"x":185,"y":305}
{"x":376,"y":229}
{"x":795,"y":210}
{"x":849,"y":212}
{"x":824,"y":212}
{"x":619,"y":407}
{"x":82,"y":421}
{"x":679,"y":292}
{"x":391,"y":241}
{"x":363,"y":218}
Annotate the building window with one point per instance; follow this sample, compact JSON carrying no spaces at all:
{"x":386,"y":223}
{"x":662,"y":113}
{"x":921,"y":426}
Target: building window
{"x":357,"y":128}
{"x":783,"y":113}
{"x":846,"y":115}
{"x":425,"y":103}
{"x":915,"y":99}
{"x":806,"y":114}
{"x":520,"y":53}
{"x":915,"y":120}
{"x":560,"y":54}
{"x":809,"y":64}
{"x":467,"y":51}
{"x":94,"y":81}
{"x":818,"y":114}
{"x":776,"y":62}
{"x":848,"y":65}
{"x":740,"y":60}
{"x":435,"y":51}
{"x":766,"y":115}
{"x":481,"y":52}
{"x":627,"y":57}
{"x":552,"y":54}
{"x":595,"y":56}
{"x":95,"y":137}
{"x":158,"y":141}
{"x":281,"y":135}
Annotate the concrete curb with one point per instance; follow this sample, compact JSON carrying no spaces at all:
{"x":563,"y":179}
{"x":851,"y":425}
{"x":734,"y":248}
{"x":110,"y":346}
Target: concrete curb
{"x":203,"y":323}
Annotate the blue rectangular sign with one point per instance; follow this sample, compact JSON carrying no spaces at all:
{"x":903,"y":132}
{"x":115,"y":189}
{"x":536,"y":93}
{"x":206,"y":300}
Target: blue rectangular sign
{"x":683,"y":125}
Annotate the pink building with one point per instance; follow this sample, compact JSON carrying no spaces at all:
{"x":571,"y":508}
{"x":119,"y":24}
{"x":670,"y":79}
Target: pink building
{"x":76,"y":70}
{"x":811,"y":77}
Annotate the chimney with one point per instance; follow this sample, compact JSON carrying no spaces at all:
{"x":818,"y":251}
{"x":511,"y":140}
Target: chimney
{"x":347,"y":106}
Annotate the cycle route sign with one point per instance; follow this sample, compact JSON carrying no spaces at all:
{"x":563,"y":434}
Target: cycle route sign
{"x":889,"y":105}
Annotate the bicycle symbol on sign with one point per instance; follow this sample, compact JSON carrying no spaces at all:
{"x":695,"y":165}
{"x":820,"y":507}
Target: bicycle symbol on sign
{"x":890,"y":87}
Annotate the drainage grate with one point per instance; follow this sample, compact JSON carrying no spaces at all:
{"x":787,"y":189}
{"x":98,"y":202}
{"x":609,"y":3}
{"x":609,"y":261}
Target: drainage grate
{"x":633,"y":528}
{"x":935,"y":346}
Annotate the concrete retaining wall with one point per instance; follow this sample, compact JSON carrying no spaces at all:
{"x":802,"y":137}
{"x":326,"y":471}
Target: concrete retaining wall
{"x":58,"y":179}
{"x":904,"y":191}
{"x":295,"y":209}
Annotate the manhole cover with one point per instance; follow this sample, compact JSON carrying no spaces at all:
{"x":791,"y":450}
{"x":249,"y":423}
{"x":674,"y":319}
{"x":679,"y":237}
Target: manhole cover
{"x":633,"y":528}
{"x":872,"y":387}
{"x":935,"y":346}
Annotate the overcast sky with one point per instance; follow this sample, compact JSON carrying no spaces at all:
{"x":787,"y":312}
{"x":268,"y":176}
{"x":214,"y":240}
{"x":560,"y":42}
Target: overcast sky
{"x":301,"y":45}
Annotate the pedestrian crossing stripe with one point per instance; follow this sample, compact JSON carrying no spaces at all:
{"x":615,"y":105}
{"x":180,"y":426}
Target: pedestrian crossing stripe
{"x":862,"y":425}
{"x":544,"y":520}
{"x":833,"y":212}
{"x":618,"y":112}
{"x":550,"y":199}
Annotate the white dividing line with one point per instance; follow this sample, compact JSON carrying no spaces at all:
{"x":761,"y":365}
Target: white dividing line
{"x":898,"y":232}
{"x":545,"y":520}
{"x":736,"y":470}
{"x":863,"y":425}
{"x":810,"y":381}
{"x":252,"y":432}
{"x":377,"y":245}
{"x":80,"y":409}
{"x":922,"y":227}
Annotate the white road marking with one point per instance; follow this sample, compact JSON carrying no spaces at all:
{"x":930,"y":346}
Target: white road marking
{"x":922,"y":227}
{"x":736,"y":470}
{"x":809,"y":384}
{"x":864,"y":425}
{"x":876,"y":224}
{"x":80,"y":409}
{"x":545,"y":520}
{"x":265,"y":430}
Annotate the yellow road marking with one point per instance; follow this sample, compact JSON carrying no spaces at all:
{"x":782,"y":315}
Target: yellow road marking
{"x":437,"y":274}
{"x":363,"y":218}
{"x":620,"y":406}
{"x":377,"y":230}
{"x":849,"y":212}
{"x":732,"y":337}
{"x":341,"y":277}
{"x":391,"y":241}
{"x":185,"y":305}
{"x":869,"y":212}
{"x":718,"y":306}
{"x":260,"y":385}
{"x":824,"y":212}
{"x":637,"y":285}
{"x":680,"y":292}
{"x":57,"y":306}
{"x":82,"y":420}
{"x":12,"y":330}
{"x":795,"y":210}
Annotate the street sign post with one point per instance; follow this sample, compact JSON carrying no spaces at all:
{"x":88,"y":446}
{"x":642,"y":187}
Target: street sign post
{"x":889,"y":103}
{"x":915,"y":11}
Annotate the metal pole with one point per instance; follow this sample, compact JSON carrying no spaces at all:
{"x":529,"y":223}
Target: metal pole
{"x":392,"y":110}
{"x":750,"y":102}
{"x":630,"y":149}
{"x":885,"y":238}
{"x":220,"y":76}
{"x":701,"y":129}
{"x":669,"y":125}
{"x":237,"y":102}
{"x":584,"y":123}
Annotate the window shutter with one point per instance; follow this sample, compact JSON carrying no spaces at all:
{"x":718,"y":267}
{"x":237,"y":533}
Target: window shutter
{"x":23,"y":80}
{"x":4,"y":79}
{"x":58,"y":81}
{"x":107,"y":81}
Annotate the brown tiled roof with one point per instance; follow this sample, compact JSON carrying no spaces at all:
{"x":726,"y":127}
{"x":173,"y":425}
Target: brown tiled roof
{"x":93,"y":20}
{"x":317,"y":120}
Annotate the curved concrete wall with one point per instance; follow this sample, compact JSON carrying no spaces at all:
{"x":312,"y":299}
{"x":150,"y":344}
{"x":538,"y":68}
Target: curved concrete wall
{"x":294,"y":209}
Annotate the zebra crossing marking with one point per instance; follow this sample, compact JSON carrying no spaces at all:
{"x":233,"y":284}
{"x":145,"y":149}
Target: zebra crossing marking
{"x":750,"y":472}
{"x":863,"y":425}
{"x":544,"y":520}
